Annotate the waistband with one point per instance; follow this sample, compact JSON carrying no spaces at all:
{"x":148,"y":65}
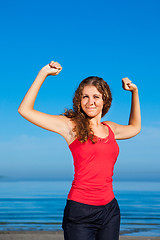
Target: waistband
{"x":79,"y":204}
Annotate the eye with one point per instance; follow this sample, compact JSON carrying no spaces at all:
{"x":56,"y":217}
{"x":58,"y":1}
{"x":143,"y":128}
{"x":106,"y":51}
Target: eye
{"x":85,"y":96}
{"x":96,"y":96}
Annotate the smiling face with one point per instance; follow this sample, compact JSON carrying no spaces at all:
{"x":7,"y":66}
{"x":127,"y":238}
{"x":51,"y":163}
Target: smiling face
{"x":92,"y":102}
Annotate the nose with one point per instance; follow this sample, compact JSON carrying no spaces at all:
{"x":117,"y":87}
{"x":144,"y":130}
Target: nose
{"x":91,"y":101}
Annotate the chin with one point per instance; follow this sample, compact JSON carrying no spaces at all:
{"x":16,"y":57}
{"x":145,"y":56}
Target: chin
{"x":91,"y":115}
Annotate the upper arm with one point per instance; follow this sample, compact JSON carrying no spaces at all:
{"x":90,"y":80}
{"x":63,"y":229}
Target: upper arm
{"x":55,"y":123}
{"x":123,"y":131}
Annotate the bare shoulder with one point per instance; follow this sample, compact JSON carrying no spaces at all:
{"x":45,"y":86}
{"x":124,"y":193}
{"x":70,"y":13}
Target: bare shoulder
{"x":123,"y":131}
{"x":112,"y":125}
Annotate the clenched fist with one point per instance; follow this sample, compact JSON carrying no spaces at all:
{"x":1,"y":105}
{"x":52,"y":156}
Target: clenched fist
{"x":53,"y":68}
{"x":128,"y":85}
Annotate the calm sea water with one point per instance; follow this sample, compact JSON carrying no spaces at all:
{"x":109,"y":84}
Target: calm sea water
{"x":39,"y":205}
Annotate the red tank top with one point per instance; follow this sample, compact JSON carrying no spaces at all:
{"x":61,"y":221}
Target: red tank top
{"x":93,"y":166}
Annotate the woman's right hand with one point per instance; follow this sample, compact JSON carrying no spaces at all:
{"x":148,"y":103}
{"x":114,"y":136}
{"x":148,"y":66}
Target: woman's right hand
{"x":53,"y":68}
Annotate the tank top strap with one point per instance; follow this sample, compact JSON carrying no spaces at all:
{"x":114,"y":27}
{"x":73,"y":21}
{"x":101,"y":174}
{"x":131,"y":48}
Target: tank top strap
{"x":110,"y":130}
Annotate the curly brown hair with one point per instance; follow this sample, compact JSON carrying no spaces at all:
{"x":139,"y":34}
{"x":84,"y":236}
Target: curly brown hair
{"x":80,"y":118}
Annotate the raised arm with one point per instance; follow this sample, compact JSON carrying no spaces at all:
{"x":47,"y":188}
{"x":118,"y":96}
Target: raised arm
{"x":55,"y":123}
{"x":134,"y":125}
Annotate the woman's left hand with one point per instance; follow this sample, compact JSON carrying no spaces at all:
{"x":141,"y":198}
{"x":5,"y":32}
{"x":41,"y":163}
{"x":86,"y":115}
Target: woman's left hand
{"x":128,"y":85}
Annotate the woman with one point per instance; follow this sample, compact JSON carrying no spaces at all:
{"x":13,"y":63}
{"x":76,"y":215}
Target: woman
{"x":91,"y":211}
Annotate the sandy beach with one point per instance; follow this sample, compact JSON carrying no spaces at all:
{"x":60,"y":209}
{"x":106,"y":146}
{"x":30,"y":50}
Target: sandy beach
{"x":49,"y":235}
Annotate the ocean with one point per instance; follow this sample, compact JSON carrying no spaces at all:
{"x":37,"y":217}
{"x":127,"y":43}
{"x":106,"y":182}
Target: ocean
{"x":39,"y":205}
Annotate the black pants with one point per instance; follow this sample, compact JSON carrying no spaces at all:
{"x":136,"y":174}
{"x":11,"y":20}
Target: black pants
{"x":87,"y":222}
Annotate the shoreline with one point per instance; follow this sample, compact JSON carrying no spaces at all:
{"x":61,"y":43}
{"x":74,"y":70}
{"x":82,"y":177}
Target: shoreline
{"x":53,"y":235}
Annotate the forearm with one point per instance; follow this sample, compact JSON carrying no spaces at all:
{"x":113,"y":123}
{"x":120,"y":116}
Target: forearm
{"x":30,"y":97}
{"x":135,"y":114}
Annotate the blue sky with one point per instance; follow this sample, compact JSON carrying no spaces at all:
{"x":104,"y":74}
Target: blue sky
{"x":110,"y":39}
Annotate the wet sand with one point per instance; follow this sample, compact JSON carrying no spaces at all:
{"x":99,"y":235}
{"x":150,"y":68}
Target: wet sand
{"x":49,"y":235}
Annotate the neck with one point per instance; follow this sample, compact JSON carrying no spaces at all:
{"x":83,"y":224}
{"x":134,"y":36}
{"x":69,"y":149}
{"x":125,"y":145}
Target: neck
{"x":96,"y":121}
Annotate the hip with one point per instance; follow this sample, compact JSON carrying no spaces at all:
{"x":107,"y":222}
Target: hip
{"x":76,"y":212}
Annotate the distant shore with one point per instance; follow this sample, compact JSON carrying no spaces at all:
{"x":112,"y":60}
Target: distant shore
{"x":52,"y":235}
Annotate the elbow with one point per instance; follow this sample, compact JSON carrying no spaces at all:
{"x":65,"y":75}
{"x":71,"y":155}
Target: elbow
{"x":25,"y":113}
{"x":20,"y":111}
{"x":135,"y":130}
{"x":138,"y":129}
